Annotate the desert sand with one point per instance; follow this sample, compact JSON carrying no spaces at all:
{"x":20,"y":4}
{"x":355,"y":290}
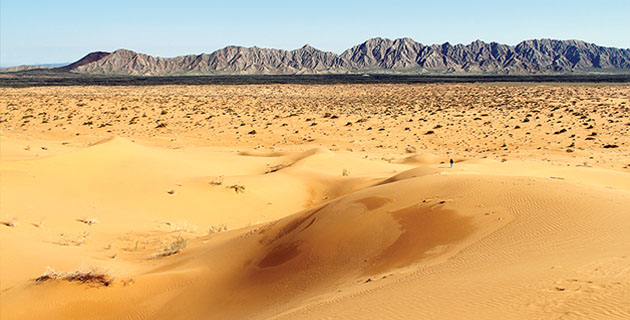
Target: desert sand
{"x":315,"y":202}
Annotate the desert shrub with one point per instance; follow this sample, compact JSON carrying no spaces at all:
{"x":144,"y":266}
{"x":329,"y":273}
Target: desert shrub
{"x":217,"y":228}
{"x":217,"y":182}
{"x":89,"y":222}
{"x":237,"y":188}
{"x":90,"y":276}
{"x":276,"y":168}
{"x":175,"y":246}
{"x":8,"y":222}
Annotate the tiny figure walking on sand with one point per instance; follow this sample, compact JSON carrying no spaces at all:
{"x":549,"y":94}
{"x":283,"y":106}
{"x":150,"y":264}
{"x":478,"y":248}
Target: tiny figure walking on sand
{"x":451,"y":163}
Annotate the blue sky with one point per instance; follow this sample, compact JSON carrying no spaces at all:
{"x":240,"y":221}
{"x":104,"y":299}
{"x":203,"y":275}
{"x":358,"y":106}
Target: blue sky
{"x":33,"y":32}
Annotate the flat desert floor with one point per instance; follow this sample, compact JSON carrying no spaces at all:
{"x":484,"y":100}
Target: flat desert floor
{"x":315,"y":202}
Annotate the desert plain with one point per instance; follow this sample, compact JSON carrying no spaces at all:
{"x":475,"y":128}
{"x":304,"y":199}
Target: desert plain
{"x":315,"y":201}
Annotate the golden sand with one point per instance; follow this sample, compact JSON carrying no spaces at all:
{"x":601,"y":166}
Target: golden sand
{"x":313,"y":202}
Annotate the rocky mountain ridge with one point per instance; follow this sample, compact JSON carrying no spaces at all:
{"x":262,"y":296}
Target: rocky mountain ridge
{"x":377,"y":55}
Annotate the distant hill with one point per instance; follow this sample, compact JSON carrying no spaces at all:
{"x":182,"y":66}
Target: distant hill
{"x":377,"y":55}
{"x":21,"y":68}
{"x":33,"y":67}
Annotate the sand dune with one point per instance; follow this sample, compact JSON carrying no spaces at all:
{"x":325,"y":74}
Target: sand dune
{"x":138,"y":226}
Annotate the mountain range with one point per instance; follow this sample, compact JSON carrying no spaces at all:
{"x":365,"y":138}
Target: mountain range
{"x":377,"y":55}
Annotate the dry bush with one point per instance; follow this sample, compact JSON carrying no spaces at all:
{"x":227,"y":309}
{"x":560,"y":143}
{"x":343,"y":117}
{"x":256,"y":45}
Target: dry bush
{"x":90,"y":277}
{"x":64,"y":241}
{"x":217,"y":182}
{"x":183,"y":226}
{"x":237,"y":188}
{"x":217,"y":228}
{"x":39,"y":224}
{"x":50,"y":274}
{"x":89,"y":222}
{"x":276,"y":168}
{"x":177,"y":245}
{"x":9,"y":222}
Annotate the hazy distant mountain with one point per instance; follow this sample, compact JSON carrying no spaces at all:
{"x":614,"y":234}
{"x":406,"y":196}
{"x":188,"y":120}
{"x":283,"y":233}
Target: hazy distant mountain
{"x":32,"y":67}
{"x":376,"y":55}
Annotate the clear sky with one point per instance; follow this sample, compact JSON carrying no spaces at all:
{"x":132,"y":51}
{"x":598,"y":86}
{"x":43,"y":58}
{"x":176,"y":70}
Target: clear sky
{"x":35,"y":32}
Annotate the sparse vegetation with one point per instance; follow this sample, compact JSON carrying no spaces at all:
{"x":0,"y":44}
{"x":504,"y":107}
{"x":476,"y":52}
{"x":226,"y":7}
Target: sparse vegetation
{"x":217,"y":181}
{"x":38,"y":224}
{"x":237,"y":188}
{"x":9,"y":222}
{"x":80,"y":239}
{"x":89,"y":277}
{"x":50,"y":274}
{"x":276,"y":168}
{"x":175,"y":246}
{"x":217,"y":228}
{"x":89,"y":222}
{"x":182,"y":226}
